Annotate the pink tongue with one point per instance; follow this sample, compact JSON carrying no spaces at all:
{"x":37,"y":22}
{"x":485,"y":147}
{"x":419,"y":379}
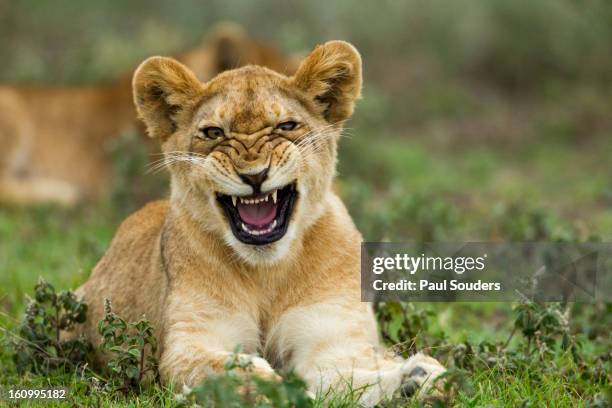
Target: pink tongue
{"x":259,"y":214}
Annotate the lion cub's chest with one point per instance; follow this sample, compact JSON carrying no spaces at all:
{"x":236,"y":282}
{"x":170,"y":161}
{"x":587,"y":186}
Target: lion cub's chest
{"x":230,"y":310}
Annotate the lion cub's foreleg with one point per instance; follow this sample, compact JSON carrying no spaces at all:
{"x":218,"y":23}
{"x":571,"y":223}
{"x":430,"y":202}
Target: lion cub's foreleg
{"x":201,"y":337}
{"x":334,"y":347}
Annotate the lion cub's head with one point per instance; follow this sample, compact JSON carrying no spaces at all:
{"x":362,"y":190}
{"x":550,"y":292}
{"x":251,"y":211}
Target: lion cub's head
{"x":252,"y":152}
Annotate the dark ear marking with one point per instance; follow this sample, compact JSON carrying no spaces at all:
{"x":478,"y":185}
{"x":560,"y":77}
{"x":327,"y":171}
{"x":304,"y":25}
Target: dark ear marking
{"x":163,"y":90}
{"x":230,"y":47}
{"x":331,"y":77}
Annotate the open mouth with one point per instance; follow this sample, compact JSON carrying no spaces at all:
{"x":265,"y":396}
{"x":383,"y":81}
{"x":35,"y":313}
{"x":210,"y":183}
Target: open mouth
{"x":260,"y":219}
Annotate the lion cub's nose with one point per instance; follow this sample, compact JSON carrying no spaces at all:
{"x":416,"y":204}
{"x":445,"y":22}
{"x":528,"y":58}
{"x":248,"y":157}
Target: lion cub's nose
{"x":255,"y":180}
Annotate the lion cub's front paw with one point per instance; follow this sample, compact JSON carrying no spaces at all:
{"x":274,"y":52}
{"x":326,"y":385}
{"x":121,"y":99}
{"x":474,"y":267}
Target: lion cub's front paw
{"x":246,"y":364}
{"x":261,"y":368}
{"x":419,"y":375}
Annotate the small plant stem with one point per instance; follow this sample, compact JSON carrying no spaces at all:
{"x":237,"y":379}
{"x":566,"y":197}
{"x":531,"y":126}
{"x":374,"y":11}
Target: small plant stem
{"x":57,"y":325}
{"x":509,"y":338}
{"x":528,"y":346}
{"x":141,"y":373}
{"x":58,"y":344}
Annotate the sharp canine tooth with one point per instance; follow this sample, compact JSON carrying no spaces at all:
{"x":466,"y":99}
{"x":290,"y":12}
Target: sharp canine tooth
{"x":234,"y":198}
{"x":274,"y":198}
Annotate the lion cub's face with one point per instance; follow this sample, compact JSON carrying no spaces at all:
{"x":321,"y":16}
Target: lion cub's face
{"x":252,"y":152}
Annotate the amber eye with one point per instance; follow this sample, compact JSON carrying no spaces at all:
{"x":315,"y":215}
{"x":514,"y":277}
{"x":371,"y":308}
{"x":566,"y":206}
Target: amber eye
{"x":212,"y":132}
{"x":289,"y":125}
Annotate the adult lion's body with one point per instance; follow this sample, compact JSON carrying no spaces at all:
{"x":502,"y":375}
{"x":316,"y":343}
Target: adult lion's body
{"x":64,"y":145}
{"x":253,"y":248}
{"x":61,"y":135}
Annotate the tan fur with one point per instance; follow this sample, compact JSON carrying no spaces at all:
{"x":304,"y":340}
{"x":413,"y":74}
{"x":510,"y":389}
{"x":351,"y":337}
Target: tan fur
{"x":60,"y":136}
{"x":295,"y":303}
{"x":229,"y":46}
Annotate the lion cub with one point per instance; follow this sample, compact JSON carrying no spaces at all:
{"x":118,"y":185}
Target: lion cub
{"x":253,"y":248}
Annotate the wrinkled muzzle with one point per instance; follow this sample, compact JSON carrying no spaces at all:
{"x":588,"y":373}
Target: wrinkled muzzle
{"x":257,"y":188}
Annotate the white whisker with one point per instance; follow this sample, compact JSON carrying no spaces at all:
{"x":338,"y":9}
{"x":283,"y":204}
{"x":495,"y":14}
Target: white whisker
{"x":171,"y":158}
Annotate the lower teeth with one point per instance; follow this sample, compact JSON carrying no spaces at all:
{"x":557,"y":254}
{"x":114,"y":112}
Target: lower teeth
{"x":259,"y":232}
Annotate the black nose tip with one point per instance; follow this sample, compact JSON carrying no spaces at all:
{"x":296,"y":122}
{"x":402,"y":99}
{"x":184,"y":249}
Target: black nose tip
{"x":255,"y":180}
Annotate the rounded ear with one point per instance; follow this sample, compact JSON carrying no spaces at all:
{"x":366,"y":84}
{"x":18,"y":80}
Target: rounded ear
{"x":163,"y":90}
{"x":229,"y":44}
{"x":331,"y":76}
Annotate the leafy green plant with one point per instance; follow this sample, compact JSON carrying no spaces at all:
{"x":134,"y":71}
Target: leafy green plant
{"x":402,"y":325}
{"x":542,"y":325}
{"x":132,"y":348}
{"x":39,"y":346}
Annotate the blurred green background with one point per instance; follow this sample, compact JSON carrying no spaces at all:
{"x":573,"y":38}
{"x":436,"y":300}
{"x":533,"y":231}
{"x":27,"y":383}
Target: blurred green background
{"x":472,"y":104}
{"x":481,"y":120}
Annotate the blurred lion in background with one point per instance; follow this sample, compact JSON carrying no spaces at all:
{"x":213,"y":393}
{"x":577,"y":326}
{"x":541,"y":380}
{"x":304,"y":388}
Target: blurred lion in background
{"x":54,"y":139}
